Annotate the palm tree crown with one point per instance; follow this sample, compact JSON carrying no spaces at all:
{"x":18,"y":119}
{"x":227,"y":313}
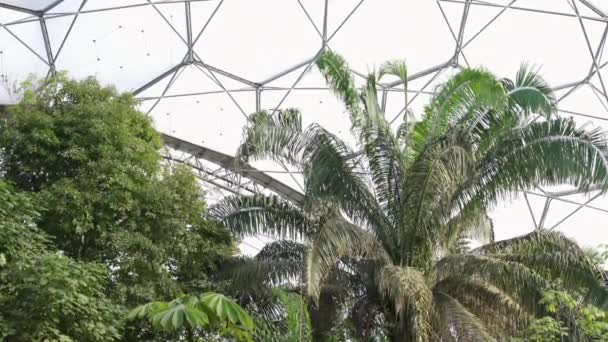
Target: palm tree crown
{"x":396,"y":209}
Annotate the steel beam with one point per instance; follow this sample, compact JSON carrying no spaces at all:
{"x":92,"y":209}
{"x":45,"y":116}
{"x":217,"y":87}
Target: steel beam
{"x":210,"y":177}
{"x":51,"y":6}
{"x":23,"y":43}
{"x":67,"y":34}
{"x":287,"y":71}
{"x":525,"y":9}
{"x":581,"y":206}
{"x":190,"y":58}
{"x":594,"y":8}
{"x":157,"y":79}
{"x":590,"y":48}
{"x":47,"y":46}
{"x":325,"y":23}
{"x":168,"y":22}
{"x":20,"y":9}
{"x":460,"y":38}
{"x":208,"y":22}
{"x":312,"y":22}
{"x":343,"y":21}
{"x":226,"y":74}
{"x":229,"y":162}
{"x":489,"y":23}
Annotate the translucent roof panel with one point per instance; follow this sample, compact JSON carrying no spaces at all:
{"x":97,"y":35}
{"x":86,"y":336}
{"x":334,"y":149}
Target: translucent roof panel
{"x":201,"y":67}
{"x":34,"y":5}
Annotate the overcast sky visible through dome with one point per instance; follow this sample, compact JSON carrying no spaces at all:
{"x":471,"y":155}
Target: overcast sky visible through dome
{"x":240,"y":45}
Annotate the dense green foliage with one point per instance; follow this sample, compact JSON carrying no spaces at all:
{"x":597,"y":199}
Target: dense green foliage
{"x":567,"y":319}
{"x":385,"y":225}
{"x":96,"y":213}
{"x":43,"y":294}
{"x":197,"y":317}
{"x":290,"y":322}
{"x":51,"y":297}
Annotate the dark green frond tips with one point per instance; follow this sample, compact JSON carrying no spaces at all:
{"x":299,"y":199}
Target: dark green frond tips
{"x":337,"y":74}
{"x":531,"y":92}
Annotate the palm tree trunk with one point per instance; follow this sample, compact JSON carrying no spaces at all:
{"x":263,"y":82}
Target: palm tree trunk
{"x":322,"y":316}
{"x":401,"y":332}
{"x":399,"y":335}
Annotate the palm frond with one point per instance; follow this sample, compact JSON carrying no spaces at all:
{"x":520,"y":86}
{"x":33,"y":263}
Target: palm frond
{"x":574,"y":271}
{"x":394,"y":68}
{"x":383,"y":153}
{"x":462,"y":324}
{"x":257,"y":277}
{"x":538,"y":241}
{"x":530,"y":92}
{"x":283,"y":250}
{"x":261,"y":214}
{"x":406,"y":287}
{"x":405,"y":130}
{"x":431,"y":180}
{"x":463,"y":97}
{"x":278,"y":263}
{"x":277,"y":137}
{"x":332,"y":175}
{"x":472,"y":222}
{"x":499,"y":310}
{"x":338,"y":239}
{"x":553,"y":152}
{"x":337,"y":74}
{"x":511,"y":277}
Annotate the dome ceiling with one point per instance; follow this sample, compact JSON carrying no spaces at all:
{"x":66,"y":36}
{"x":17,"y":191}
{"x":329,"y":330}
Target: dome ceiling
{"x":200,"y":67}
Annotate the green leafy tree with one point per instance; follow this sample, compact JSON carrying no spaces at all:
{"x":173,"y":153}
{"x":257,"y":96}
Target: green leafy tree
{"x":544,"y":329}
{"x":92,"y":160}
{"x":53,"y":298}
{"x":45,"y":296}
{"x":19,"y":235}
{"x":129,"y":225}
{"x":567,"y":319}
{"x":394,"y":212}
{"x":196,"y":317}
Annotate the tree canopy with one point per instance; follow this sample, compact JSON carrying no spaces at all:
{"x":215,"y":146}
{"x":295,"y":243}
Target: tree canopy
{"x":91,"y":204}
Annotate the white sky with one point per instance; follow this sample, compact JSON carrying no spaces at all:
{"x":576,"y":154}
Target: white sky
{"x":256,"y":40}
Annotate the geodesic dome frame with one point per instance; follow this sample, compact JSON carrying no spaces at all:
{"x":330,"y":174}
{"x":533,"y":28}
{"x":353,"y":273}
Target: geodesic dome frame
{"x":224,"y":59}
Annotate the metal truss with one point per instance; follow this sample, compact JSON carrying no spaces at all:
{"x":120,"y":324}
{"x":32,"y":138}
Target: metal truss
{"x":219,"y":169}
{"x":226,"y":173}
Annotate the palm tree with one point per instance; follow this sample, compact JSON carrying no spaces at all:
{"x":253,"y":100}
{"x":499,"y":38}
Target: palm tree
{"x":396,"y":210}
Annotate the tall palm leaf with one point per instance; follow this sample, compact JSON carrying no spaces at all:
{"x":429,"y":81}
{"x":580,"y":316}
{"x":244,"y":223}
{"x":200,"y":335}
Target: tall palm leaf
{"x":402,"y":203}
